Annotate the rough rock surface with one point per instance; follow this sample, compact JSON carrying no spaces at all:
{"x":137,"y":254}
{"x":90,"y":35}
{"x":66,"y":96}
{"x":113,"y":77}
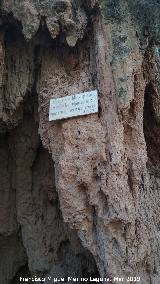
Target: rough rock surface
{"x":80,"y":197}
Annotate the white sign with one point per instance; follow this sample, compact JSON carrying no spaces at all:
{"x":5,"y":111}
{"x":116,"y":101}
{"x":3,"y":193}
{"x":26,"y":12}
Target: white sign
{"x":70,"y":106}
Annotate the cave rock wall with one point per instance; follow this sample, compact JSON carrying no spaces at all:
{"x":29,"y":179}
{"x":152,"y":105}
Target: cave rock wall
{"x":85,"y":187}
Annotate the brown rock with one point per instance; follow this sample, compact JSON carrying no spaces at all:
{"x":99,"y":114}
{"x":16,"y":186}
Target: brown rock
{"x":79,"y":197}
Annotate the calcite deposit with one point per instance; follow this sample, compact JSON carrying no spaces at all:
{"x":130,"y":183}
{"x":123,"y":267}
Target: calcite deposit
{"x":80,"y":197}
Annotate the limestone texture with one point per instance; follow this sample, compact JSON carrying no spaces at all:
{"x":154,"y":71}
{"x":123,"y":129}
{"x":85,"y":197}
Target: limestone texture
{"x":80,"y":197}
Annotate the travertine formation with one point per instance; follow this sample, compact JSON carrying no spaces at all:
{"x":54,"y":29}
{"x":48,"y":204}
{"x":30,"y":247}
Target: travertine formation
{"x":80,"y":196}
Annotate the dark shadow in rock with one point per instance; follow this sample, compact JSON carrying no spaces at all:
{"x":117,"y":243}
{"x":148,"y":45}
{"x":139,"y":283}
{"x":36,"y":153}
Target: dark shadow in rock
{"x":151,"y":129}
{"x":23,"y":273}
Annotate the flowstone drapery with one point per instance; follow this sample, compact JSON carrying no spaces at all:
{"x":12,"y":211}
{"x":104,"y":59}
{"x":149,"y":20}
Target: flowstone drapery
{"x":80,"y":196}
